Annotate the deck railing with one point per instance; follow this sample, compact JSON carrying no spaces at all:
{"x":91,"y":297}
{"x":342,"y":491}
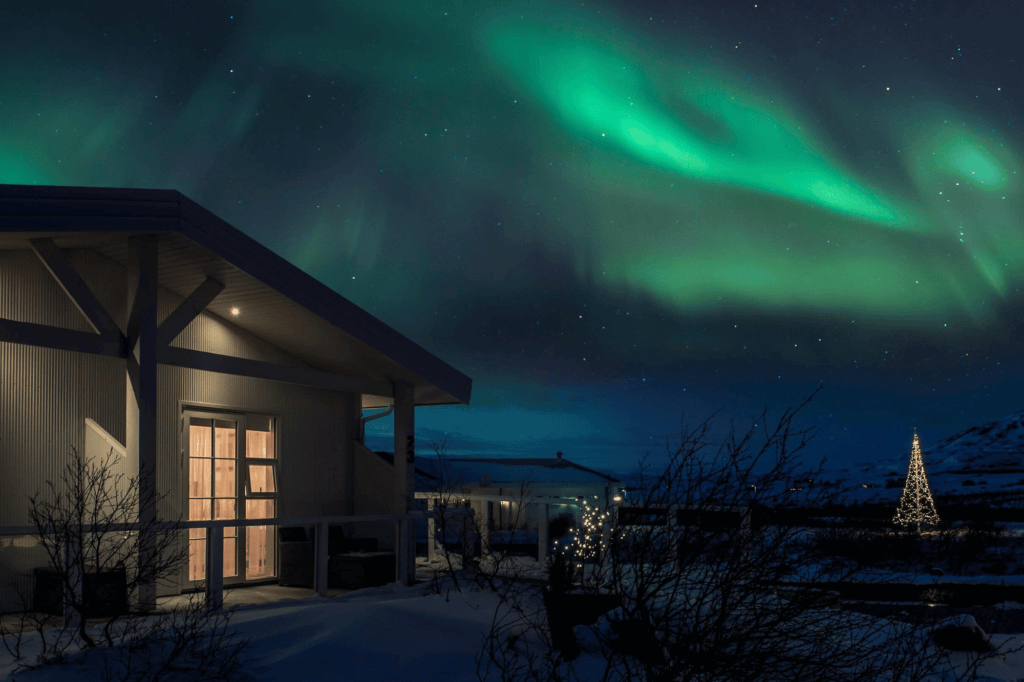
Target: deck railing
{"x":215,"y":546}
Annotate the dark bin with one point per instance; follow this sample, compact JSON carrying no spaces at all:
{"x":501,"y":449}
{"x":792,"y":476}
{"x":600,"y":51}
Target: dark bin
{"x":104,"y":595}
{"x":296,"y":557}
{"x":353,"y":571}
{"x":337,"y":543}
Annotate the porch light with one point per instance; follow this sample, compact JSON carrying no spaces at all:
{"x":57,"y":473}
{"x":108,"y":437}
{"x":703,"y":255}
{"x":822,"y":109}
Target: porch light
{"x":235,"y":311}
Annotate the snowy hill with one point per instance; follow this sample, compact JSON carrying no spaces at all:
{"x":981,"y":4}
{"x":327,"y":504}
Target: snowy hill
{"x":995,"y":446}
{"x":982,"y":459}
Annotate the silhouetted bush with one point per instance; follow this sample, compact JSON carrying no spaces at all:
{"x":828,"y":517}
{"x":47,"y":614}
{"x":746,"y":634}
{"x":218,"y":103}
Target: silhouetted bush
{"x":561,"y":525}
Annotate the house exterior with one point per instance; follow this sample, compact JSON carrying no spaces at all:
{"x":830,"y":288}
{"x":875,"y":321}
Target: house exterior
{"x":554,"y":482}
{"x":136,"y":321}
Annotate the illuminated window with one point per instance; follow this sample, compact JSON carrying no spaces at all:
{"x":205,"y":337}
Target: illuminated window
{"x":231,"y":475}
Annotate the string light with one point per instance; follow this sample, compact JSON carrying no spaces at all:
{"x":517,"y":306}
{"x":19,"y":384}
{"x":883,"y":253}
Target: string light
{"x":588,"y":540}
{"x":916,"y":506}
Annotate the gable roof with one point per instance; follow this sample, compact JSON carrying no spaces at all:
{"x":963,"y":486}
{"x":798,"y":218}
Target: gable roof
{"x":281,"y":304}
{"x":512,"y":470}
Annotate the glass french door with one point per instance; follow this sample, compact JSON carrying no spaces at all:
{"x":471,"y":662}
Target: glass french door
{"x":232,"y":474}
{"x":261,"y":492}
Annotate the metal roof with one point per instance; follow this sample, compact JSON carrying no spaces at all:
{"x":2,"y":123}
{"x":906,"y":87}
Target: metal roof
{"x":279,"y":302}
{"x":512,"y":469}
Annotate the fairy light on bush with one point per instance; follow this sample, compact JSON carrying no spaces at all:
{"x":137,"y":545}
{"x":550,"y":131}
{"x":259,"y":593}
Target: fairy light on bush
{"x":916,"y":506}
{"x":588,"y":540}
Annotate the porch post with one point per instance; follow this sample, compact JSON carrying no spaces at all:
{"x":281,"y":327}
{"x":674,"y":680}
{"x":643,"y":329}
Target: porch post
{"x":467,"y":540}
{"x":542,"y":532}
{"x":485,"y":531}
{"x":606,"y":535}
{"x":215,"y":567}
{"x":141,"y":363}
{"x":321,"y":559}
{"x":404,"y":470}
{"x":431,"y":529}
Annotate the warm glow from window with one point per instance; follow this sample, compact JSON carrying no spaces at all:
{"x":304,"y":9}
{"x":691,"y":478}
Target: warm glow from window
{"x":235,"y":311}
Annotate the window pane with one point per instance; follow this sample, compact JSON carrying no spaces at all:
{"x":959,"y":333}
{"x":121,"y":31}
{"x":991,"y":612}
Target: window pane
{"x":230,"y":562}
{"x":261,"y":479}
{"x":225,"y":477}
{"x":196,"y":559}
{"x":198,"y":510}
{"x":225,"y":509}
{"x":198,"y":477}
{"x":259,"y":509}
{"x":259,"y":444}
{"x":199,"y":439}
{"x":260,"y":554}
{"x":224,"y":439}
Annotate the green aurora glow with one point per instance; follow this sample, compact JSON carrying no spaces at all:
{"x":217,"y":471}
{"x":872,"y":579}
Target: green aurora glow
{"x":602,"y":86}
{"x":609,"y":211}
{"x":688,"y":182}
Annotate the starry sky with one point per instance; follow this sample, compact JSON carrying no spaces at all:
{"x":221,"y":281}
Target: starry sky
{"x":616,"y":217}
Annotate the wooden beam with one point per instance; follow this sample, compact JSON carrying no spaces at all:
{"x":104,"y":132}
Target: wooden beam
{"x":76,"y":289}
{"x":225,"y":364}
{"x":134,"y":323}
{"x":404,"y":479}
{"x":188,"y":311}
{"x":45,"y":336}
{"x":143,"y":289}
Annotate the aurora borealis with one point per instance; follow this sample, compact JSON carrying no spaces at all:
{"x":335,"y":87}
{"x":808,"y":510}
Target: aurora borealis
{"x":607,"y":214}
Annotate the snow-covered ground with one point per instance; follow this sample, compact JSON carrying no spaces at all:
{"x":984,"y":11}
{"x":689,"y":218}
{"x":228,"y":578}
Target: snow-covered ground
{"x":384,"y":634}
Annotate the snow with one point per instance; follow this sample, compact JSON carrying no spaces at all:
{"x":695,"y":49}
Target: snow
{"x":389,"y":634}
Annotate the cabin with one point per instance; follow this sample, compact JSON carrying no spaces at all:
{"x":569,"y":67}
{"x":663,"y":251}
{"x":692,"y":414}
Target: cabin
{"x":516,"y":499}
{"x":136,"y":322}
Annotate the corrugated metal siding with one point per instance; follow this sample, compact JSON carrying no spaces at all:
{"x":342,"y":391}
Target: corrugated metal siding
{"x":46,"y":394}
{"x":374,"y":494}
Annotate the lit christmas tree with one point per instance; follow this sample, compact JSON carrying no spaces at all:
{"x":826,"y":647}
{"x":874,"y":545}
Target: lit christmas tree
{"x":916,"y":505}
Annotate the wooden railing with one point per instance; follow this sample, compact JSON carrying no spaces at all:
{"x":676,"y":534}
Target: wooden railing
{"x":215,"y":546}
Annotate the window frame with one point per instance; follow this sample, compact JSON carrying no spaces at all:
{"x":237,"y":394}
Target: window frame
{"x":186,"y":411}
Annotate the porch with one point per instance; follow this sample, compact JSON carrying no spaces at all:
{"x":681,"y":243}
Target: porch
{"x":215,"y":594}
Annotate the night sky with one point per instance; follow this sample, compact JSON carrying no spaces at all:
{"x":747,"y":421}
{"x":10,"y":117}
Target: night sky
{"x":610,"y":215}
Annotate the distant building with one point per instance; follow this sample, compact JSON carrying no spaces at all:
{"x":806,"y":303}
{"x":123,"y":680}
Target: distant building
{"x":544,"y":478}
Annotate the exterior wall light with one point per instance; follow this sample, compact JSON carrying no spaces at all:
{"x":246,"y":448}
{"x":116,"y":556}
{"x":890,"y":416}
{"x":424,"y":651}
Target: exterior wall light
{"x":235,"y":311}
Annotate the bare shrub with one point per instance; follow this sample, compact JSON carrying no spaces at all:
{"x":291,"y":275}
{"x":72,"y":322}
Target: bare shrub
{"x":718,"y":588}
{"x":88,"y":524}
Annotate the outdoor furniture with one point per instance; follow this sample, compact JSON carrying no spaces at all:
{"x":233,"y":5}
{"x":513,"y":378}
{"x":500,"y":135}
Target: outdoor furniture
{"x":103,"y":595}
{"x":360,"y":569}
{"x":296,"y":557}
{"x":337,"y":543}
